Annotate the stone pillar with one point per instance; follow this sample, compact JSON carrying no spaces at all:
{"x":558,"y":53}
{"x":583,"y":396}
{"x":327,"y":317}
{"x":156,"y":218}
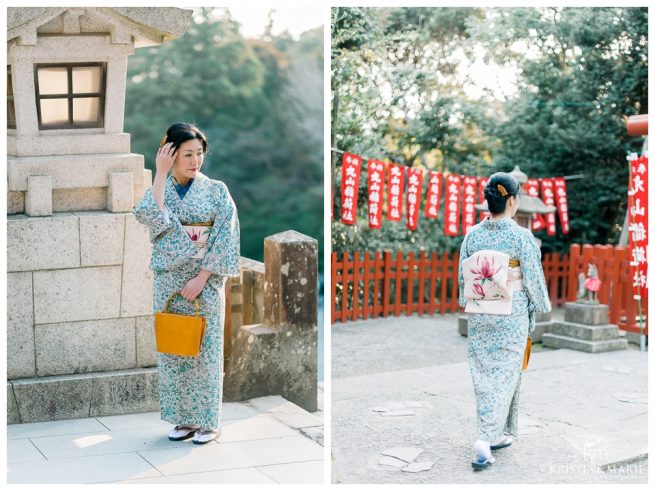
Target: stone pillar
{"x":279,"y":356}
{"x":290,"y":307}
{"x":38,"y":199}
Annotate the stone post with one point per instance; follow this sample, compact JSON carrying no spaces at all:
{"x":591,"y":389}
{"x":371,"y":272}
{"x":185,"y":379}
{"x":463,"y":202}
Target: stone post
{"x":279,"y":356}
{"x":290,"y":307}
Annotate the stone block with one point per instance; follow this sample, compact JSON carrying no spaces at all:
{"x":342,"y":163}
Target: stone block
{"x":290,"y":306}
{"x":146,"y":344}
{"x":140,"y":189}
{"x":43,"y":243}
{"x":77,"y":294}
{"x":136,"y":288}
{"x":73,"y":171}
{"x":298,"y":365}
{"x":290,"y":291}
{"x":253,"y":367}
{"x":590,"y":314}
{"x":252,"y":291}
{"x":635,"y":338}
{"x":101,"y":238}
{"x":120,"y":192}
{"x":86,"y":346}
{"x":540,"y":329}
{"x":585,"y":331}
{"x":15,"y":202}
{"x":38,"y":198}
{"x":463,"y":324}
{"x":558,"y":341}
{"x":86,"y":395}
{"x":13,"y":416}
{"x":53,"y":398}
{"x":128,"y":391}
{"x":80,"y":199}
{"x":20,"y":326}
{"x":100,"y":143}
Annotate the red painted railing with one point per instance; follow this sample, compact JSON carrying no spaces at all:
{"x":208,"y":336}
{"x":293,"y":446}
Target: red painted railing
{"x":369,"y":285}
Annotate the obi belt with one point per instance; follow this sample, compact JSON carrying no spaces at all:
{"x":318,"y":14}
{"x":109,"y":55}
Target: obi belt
{"x":490,"y":279}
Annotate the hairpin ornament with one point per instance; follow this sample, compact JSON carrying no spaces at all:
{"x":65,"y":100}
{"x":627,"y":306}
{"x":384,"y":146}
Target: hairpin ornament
{"x":163,"y":141}
{"x":502,"y":189}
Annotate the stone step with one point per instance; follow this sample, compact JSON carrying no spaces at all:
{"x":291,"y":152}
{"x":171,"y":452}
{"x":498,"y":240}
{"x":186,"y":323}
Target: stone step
{"x":585,"y":331}
{"x":558,"y":341}
{"x":82,"y":395}
{"x":585,"y":313}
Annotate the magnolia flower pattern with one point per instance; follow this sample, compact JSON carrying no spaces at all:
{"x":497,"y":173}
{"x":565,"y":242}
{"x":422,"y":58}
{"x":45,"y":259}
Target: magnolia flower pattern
{"x":484,"y":272}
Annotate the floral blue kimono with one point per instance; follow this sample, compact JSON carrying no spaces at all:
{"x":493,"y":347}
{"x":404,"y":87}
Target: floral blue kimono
{"x":190,"y":389}
{"x":496,"y":343}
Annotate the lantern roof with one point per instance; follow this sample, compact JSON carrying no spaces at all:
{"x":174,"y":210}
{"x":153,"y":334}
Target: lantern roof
{"x":527,"y":204}
{"x":142,"y":26}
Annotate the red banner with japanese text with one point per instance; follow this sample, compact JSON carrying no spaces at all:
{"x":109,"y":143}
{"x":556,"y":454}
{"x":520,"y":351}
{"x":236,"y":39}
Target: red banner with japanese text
{"x":414,"y":187}
{"x":375,"y":192}
{"x":434,"y":194}
{"x":395,"y":192}
{"x":451,"y":205}
{"x":481,"y":185}
{"x":538,"y":220}
{"x":468,"y":213}
{"x":562,"y":203}
{"x":350,"y":170}
{"x":548,"y":197}
{"x":638,"y":224}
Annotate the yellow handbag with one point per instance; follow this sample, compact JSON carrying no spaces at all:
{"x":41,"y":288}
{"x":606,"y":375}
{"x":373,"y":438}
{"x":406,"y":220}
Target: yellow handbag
{"x":179,"y":334}
{"x":526,"y":353}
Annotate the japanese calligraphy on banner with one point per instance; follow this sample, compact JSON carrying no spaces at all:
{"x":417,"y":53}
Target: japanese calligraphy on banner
{"x":451,"y":218}
{"x":548,"y":194}
{"x":414,"y":186}
{"x":538,"y":220}
{"x":468,"y":215}
{"x":562,"y":203}
{"x":638,"y":226}
{"x":350,"y":169}
{"x":395,"y":193}
{"x":375,"y":193}
{"x":483,"y":184}
{"x":434,"y":194}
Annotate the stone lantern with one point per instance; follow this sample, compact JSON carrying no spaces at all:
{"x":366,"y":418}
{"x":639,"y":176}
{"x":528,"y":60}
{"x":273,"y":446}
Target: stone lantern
{"x":79,"y":289}
{"x":528,"y":205}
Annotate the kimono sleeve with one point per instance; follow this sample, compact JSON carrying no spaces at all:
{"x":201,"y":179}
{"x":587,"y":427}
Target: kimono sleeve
{"x":147,"y":212}
{"x":534,"y":281}
{"x":223,"y":244}
{"x":463,"y":254}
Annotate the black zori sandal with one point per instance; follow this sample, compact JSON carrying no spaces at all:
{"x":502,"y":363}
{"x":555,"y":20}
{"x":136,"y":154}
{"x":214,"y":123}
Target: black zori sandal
{"x":181,"y":432}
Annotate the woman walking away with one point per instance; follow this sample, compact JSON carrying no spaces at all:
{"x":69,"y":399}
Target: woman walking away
{"x":194,"y":230}
{"x":502,"y":286}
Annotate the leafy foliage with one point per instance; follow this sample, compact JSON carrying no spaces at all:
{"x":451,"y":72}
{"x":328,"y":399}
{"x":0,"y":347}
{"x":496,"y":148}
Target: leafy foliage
{"x":398,"y":93}
{"x":260,"y":103}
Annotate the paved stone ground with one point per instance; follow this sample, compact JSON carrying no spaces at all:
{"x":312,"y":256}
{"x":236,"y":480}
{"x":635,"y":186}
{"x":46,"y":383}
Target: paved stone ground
{"x":404,"y":382}
{"x":264,"y":440}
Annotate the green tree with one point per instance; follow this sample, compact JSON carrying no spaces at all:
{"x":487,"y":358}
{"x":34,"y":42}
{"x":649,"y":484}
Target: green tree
{"x":256,"y":99}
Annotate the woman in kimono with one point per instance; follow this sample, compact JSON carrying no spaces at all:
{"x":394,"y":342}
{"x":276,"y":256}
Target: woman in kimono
{"x":194,"y":230}
{"x":502,"y":286}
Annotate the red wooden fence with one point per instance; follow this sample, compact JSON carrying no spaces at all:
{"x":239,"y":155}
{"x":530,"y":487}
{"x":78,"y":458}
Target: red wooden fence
{"x":378,"y":284}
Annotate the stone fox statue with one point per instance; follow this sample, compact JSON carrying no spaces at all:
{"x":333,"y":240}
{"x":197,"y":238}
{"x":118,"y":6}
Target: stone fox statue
{"x":588,"y":287}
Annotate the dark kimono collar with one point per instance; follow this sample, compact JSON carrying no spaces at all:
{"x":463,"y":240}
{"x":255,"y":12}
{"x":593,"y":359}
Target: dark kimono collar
{"x":181,"y":188}
{"x":498,"y":224}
